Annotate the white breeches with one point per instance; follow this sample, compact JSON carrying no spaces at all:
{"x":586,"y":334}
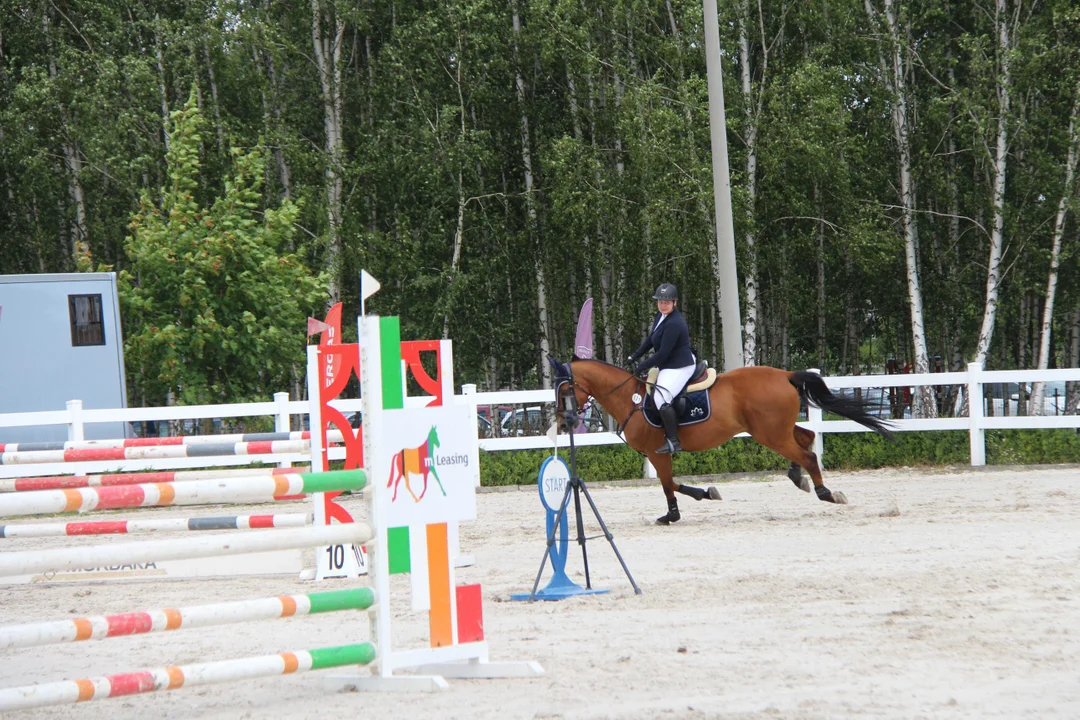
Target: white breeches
{"x":669,"y":382}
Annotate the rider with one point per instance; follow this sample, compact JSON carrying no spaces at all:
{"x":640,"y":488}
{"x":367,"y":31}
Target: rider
{"x":670,"y":340}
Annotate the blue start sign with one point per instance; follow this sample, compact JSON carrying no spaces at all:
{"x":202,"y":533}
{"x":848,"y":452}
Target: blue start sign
{"x":554,"y":475}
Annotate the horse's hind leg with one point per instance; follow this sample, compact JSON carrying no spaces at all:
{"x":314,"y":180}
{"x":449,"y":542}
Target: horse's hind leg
{"x":799,"y":455}
{"x":805,"y":439}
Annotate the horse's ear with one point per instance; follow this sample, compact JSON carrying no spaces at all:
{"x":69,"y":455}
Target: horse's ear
{"x":555,"y":364}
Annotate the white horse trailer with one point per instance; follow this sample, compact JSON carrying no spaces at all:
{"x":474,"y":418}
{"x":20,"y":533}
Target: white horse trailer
{"x":60,"y":340}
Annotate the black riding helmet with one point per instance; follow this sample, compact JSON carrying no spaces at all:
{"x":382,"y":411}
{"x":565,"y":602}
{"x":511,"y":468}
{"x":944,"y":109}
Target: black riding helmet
{"x":667,"y":291}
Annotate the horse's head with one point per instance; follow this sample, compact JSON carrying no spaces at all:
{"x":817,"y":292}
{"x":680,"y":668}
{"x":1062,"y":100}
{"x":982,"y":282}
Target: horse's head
{"x":433,"y":438}
{"x":580,"y":382}
{"x":571,"y":397}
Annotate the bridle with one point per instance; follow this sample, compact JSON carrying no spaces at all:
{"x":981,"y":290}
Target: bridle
{"x":568,"y":404}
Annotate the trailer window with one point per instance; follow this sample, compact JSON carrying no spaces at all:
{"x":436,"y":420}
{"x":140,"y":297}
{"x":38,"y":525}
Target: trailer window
{"x":87,"y":324}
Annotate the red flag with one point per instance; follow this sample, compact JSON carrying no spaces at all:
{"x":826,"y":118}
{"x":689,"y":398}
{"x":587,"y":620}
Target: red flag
{"x":314,"y":327}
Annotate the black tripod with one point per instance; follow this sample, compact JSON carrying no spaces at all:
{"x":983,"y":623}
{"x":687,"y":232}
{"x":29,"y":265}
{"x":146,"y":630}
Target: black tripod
{"x":577,"y":485}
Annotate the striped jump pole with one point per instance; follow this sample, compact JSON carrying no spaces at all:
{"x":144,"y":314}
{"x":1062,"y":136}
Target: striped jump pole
{"x":62,"y":482}
{"x":196,"y":492}
{"x":216,"y":449}
{"x":152,"y":441}
{"x":171,"y":678}
{"x":187,"y":548}
{"x":129,"y":527}
{"x":334,"y":436}
{"x":107,"y":626}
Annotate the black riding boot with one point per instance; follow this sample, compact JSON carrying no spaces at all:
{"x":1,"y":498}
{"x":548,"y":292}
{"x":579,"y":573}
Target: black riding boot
{"x":671,"y":430}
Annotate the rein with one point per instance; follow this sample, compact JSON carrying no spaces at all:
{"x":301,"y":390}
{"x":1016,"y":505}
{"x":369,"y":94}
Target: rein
{"x":635,"y":407}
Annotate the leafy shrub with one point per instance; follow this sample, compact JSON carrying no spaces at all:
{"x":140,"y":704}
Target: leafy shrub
{"x":848,"y":451}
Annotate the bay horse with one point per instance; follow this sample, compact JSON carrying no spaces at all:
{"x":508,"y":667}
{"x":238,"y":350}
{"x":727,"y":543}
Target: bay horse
{"x":762,"y":401}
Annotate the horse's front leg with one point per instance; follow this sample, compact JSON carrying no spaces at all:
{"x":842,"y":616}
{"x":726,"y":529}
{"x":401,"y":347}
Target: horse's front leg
{"x":662,"y":463}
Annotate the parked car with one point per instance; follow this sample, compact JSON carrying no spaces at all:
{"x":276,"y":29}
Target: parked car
{"x":523,"y":421}
{"x":530,"y":421}
{"x":484,"y":428}
{"x":499,"y":412}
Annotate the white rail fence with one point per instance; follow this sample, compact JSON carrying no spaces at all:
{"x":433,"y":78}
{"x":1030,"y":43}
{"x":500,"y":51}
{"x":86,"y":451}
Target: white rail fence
{"x":971,"y":381}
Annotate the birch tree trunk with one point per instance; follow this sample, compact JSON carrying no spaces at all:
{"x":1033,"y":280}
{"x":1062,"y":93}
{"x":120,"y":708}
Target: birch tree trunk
{"x":819,"y":253}
{"x":272,"y":125}
{"x":161,"y":81}
{"x":586,"y":239}
{"x":894,"y":70}
{"x":79,"y":246}
{"x":993,"y":266}
{"x":526,"y":161}
{"x":459,"y":231}
{"x":272,"y":111}
{"x":579,"y":136}
{"x":328,"y":61}
{"x":1038,"y":389}
{"x":620,"y":172}
{"x":955,"y":395}
{"x":753,"y":113}
{"x":606,"y":272}
{"x":1026,"y":303}
{"x":214,"y":95}
{"x":1072,"y":389}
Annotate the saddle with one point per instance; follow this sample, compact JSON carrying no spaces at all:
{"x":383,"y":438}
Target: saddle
{"x":692,"y":404}
{"x":702,"y":379}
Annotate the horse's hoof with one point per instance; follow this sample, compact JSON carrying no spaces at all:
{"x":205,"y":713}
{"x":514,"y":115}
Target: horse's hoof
{"x":713,"y":493}
{"x":669,"y":518}
{"x":804,"y":484}
{"x":839,"y":498}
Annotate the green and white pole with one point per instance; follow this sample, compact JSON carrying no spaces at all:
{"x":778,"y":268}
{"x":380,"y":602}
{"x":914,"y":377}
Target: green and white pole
{"x":171,"y":678}
{"x":198,"y":616}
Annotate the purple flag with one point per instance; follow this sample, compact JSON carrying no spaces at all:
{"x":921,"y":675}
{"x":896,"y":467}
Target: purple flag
{"x":583,"y":342}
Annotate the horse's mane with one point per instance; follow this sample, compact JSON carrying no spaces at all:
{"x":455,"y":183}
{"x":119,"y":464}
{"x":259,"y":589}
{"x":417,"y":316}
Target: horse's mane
{"x":575,"y":358}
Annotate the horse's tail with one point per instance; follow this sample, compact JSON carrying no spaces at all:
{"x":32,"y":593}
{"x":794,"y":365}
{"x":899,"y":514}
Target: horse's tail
{"x":814,"y":390}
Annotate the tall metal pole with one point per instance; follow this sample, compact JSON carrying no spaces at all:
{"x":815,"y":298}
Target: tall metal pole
{"x":730,"y":316}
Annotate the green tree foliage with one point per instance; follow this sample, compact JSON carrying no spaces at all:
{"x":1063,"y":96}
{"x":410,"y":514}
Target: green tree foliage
{"x":213,"y":301}
{"x":613,"y":93}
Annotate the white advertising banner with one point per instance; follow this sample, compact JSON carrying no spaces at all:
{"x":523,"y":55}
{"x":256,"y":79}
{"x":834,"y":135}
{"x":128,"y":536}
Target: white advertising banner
{"x":429,"y":466}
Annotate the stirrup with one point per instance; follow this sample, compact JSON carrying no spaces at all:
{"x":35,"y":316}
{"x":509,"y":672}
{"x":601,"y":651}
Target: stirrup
{"x":669,"y":447}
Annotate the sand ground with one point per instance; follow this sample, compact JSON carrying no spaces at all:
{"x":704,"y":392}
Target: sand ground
{"x":945,"y":594}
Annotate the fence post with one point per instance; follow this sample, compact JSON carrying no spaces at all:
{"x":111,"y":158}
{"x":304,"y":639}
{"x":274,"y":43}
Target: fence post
{"x":814,"y":420}
{"x":281,"y":419}
{"x":75,"y":423}
{"x":446,"y":371}
{"x":281,"y":414}
{"x":468,"y":393}
{"x":977,"y":435}
{"x":314,"y":382}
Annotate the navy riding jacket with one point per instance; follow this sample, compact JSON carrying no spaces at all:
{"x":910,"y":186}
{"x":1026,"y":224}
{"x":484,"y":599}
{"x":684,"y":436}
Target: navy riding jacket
{"x":671,"y":342}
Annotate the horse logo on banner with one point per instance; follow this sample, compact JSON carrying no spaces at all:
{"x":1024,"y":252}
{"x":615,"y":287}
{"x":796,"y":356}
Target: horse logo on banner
{"x":415,"y":461}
